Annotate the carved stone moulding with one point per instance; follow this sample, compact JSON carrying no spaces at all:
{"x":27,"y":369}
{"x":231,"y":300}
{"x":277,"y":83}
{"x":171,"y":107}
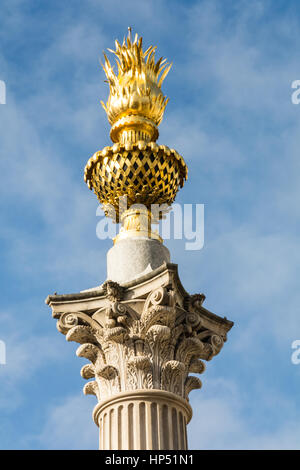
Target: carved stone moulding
{"x":143,"y":339}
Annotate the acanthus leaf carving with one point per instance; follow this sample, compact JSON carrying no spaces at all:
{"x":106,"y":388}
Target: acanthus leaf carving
{"x":139,"y":368}
{"x":154,"y":349}
{"x":173,"y":375}
{"x":115,"y":334}
{"x":111,"y":377}
{"x":87,"y":371}
{"x":107,"y":372}
{"x":157,"y":315}
{"x":191,"y":383}
{"x":197,"y":366}
{"x":91,"y":388}
{"x":89,"y":351}
{"x":81,"y":334}
{"x":188,"y":348}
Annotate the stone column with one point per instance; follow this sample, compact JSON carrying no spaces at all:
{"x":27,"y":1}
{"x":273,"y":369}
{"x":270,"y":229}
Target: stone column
{"x":141,"y":331}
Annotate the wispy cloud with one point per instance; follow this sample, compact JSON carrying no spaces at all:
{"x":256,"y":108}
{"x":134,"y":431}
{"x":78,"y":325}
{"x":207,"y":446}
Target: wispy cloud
{"x":68,"y":425}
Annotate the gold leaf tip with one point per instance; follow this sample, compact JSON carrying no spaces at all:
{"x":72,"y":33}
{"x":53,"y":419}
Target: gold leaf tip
{"x":135,"y":86}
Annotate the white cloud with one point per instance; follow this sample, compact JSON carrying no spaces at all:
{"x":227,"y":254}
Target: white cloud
{"x":26,"y":354}
{"x":221,"y":420}
{"x":69,"y":425}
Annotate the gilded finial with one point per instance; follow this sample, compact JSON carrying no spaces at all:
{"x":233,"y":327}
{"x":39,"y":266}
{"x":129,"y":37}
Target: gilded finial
{"x":136,"y":104}
{"x":135,"y":170}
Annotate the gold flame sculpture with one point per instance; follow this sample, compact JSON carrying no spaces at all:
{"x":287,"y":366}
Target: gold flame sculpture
{"x":135,"y":167}
{"x":136,"y":101}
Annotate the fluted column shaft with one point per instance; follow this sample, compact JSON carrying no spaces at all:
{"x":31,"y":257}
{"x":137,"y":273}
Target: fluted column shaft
{"x":143,"y":420}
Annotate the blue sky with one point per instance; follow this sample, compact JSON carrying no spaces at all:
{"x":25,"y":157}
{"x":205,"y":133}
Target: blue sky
{"x":230,"y":115}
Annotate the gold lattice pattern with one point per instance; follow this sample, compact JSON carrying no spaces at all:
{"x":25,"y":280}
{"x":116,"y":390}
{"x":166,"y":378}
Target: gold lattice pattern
{"x":146,"y":173}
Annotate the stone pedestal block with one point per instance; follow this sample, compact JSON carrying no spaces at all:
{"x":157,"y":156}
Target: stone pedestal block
{"x":131,"y":258}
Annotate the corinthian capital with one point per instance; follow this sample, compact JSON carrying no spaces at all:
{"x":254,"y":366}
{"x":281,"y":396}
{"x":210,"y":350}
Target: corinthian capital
{"x":145,"y":336}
